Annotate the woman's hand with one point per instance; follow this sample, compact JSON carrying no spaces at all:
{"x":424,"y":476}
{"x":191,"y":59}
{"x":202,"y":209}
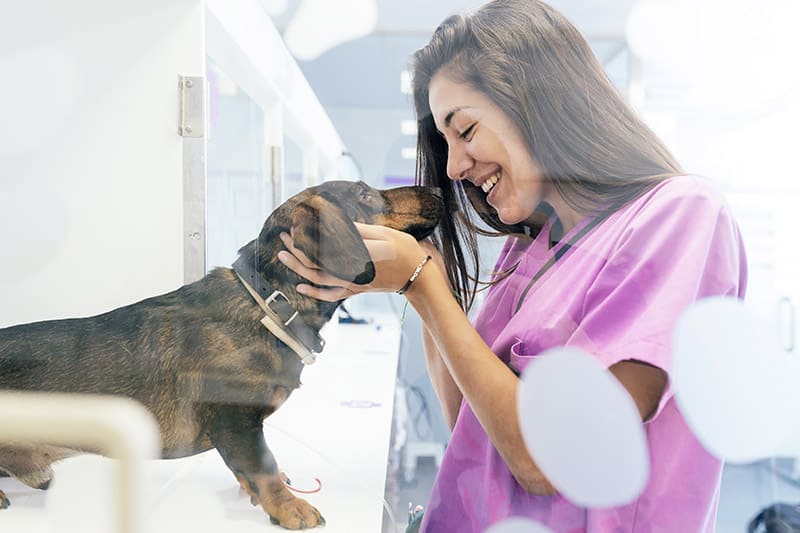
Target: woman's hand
{"x":395,"y":254}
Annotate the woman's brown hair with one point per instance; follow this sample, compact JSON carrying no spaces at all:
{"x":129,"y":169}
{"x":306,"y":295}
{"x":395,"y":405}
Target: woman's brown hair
{"x":540,"y":71}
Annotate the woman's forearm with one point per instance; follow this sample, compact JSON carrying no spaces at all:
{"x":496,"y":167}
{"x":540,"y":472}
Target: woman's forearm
{"x":446,"y":389}
{"x":485,"y":381}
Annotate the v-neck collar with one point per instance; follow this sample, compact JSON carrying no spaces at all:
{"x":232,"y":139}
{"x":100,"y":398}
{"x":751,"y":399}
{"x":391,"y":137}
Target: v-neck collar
{"x":552,"y":255}
{"x":542,"y":241}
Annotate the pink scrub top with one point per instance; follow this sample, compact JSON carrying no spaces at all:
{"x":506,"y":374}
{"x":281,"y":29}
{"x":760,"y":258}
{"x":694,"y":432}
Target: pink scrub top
{"x":616,"y":294}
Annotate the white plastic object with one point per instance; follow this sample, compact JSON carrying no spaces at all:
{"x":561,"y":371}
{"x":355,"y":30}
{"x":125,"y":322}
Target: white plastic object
{"x":583,"y":429}
{"x":117,"y":427}
{"x":734,"y":383}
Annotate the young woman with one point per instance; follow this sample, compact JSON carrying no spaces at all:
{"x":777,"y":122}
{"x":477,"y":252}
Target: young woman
{"x":607,"y":243}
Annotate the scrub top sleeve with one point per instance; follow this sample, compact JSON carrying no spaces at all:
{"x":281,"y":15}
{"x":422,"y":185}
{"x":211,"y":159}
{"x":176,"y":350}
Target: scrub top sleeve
{"x":676,"y":248}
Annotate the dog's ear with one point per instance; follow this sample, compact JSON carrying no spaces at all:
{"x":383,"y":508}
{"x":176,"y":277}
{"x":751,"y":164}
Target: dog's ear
{"x":323,"y":232}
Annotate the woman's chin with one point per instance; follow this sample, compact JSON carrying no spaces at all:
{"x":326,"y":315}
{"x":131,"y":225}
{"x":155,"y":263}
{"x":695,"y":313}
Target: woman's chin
{"x":513,"y":217}
{"x":508,"y":218}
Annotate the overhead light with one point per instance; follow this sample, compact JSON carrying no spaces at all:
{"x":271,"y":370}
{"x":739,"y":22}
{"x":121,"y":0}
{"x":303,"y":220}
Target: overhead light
{"x":405,"y":82}
{"x":408,"y":153}
{"x":408,"y":127}
{"x":319,"y":25}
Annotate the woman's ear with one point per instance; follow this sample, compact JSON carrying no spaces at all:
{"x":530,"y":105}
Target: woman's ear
{"x":323,"y":232}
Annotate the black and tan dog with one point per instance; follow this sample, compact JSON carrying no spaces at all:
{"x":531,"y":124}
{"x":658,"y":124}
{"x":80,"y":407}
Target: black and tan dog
{"x":200,"y":358}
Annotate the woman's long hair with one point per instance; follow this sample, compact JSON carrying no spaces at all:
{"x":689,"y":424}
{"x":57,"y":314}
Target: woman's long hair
{"x":540,"y":71}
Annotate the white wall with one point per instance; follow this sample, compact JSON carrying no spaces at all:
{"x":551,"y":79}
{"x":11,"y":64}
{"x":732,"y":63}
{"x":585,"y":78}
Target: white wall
{"x":90,"y":158}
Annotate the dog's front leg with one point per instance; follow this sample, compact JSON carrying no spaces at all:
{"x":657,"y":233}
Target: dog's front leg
{"x":237,"y":433}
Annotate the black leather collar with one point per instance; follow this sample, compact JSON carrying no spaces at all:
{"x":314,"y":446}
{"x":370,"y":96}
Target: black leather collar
{"x":276,"y":301}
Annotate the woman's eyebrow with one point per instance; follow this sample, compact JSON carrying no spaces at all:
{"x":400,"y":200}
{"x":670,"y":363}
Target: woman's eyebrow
{"x":449,"y":117}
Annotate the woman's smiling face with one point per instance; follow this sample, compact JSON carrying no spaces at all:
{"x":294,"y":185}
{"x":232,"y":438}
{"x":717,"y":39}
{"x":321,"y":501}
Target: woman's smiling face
{"x":486,"y":148}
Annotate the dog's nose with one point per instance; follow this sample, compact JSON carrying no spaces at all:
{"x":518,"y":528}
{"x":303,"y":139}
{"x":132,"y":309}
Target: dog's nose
{"x":437,"y":192}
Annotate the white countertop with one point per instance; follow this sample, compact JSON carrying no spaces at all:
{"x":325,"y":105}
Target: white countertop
{"x":336,"y":428}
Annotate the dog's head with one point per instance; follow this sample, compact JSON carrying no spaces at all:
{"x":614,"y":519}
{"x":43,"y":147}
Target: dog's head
{"x":321,"y":218}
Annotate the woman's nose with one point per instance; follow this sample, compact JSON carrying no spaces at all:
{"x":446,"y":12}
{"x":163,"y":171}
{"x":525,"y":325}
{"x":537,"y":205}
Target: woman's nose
{"x":458,"y":162}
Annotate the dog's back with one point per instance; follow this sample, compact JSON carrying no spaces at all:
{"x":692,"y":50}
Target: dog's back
{"x":202,"y":343}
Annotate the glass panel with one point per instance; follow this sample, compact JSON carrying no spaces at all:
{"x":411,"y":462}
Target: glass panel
{"x":239,"y":193}
{"x":87,"y":235}
{"x":293,"y":171}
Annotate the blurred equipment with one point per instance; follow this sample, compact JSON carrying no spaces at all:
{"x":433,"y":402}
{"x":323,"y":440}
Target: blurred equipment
{"x":777,"y":518}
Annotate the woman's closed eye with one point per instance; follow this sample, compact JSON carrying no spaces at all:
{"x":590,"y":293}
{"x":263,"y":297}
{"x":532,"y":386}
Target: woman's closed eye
{"x":467,"y":133}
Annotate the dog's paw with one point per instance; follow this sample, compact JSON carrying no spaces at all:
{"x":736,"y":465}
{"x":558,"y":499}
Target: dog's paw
{"x":297,"y":514}
{"x":4,"y":501}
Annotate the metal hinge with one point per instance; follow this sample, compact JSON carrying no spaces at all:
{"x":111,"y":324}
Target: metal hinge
{"x":191,"y":122}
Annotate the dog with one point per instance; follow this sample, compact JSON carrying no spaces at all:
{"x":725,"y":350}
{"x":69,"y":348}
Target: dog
{"x":200,"y":358}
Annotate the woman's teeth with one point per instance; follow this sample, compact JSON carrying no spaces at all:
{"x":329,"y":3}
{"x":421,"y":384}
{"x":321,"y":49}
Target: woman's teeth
{"x":488,"y":184}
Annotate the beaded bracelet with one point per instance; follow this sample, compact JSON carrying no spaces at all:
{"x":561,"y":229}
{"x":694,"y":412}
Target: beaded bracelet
{"x":414,"y":275}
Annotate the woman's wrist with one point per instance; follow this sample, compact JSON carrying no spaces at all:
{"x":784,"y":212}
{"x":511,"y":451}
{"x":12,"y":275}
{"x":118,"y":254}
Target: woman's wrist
{"x":414,"y":275}
{"x":429,"y":288}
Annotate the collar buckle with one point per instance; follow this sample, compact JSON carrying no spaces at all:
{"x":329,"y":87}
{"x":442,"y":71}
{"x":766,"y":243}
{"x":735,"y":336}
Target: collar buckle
{"x":280,"y":313}
{"x":280,"y":299}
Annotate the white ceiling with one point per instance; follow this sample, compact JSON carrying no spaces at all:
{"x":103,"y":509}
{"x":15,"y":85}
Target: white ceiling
{"x":595,"y":18}
{"x":365,"y":73}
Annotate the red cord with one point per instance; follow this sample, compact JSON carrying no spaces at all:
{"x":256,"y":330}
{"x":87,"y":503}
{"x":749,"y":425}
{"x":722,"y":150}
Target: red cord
{"x":311,"y":491}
